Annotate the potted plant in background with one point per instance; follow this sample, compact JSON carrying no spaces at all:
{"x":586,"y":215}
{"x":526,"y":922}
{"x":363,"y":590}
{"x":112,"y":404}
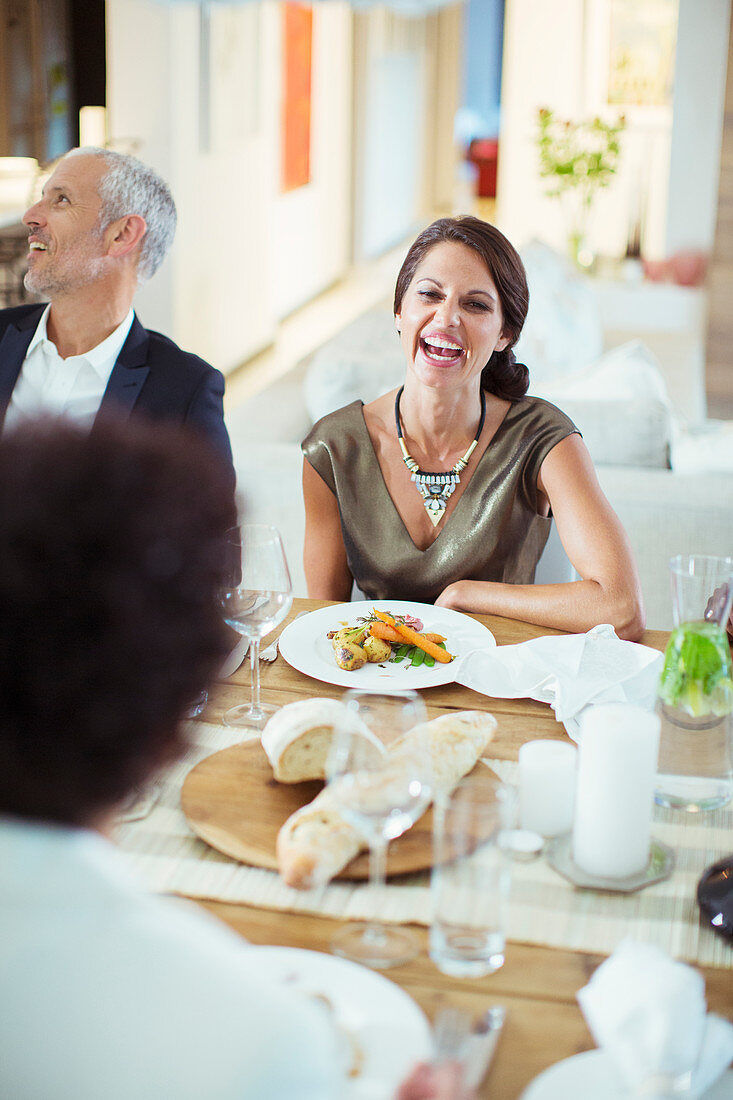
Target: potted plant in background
{"x":578,"y":158}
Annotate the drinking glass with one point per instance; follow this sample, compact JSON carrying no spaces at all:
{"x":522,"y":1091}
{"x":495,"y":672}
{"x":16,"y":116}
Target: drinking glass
{"x":471,"y":877}
{"x":380,"y":779}
{"x":695,"y":696}
{"x":257,"y":598}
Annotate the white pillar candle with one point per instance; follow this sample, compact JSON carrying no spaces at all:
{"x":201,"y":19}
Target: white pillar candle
{"x":547,"y":786}
{"x":615,"y":791}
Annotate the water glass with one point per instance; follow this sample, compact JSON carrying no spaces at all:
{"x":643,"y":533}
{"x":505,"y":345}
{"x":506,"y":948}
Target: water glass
{"x":695,"y":696}
{"x":471,"y":877}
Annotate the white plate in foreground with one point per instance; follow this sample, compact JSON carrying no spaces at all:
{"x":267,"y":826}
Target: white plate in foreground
{"x":389,"y":1029}
{"x":304,"y":645}
{"x":591,"y":1074}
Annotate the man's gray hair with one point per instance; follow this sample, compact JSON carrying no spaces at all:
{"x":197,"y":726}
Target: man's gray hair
{"x":131,"y":187}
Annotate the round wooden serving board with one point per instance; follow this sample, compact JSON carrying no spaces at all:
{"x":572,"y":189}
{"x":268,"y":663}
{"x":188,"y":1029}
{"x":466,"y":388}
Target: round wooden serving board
{"x":233,"y":802}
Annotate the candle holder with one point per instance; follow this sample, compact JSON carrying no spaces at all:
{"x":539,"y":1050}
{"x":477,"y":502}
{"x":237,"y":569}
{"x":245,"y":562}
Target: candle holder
{"x":660,"y":866}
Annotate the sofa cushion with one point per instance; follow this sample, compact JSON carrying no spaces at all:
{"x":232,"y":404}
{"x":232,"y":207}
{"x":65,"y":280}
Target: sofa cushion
{"x":622,"y":433}
{"x":269,"y":488}
{"x":363,"y":361}
{"x":620,"y":404}
{"x":704,"y":451}
{"x":563,"y":330}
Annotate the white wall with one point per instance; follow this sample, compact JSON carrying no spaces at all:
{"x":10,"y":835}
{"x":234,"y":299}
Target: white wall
{"x":543,"y":46}
{"x":138,"y":113}
{"x":244,"y":254}
{"x":312,"y":225}
{"x":699,"y":97}
{"x":555,"y":55}
{"x":389,"y":109}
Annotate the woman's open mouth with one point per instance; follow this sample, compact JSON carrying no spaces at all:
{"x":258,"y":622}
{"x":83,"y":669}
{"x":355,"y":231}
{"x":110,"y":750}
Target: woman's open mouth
{"x":439,"y":350}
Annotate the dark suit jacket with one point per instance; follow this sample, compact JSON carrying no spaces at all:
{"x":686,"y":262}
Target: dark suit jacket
{"x":152,"y":377}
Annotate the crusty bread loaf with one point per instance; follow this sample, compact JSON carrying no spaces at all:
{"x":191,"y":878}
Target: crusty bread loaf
{"x":456,"y":742}
{"x":298,"y":737}
{"x":315,"y":843}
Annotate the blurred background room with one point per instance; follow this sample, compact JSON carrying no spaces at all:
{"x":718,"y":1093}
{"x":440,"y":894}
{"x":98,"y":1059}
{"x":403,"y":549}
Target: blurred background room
{"x":306,"y":144}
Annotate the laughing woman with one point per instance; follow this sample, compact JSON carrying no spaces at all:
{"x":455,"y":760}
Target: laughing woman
{"x":443,"y":491}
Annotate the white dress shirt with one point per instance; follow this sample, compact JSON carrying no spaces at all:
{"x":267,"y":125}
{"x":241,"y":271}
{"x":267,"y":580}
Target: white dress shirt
{"x":72,"y":387}
{"x":108,"y":993}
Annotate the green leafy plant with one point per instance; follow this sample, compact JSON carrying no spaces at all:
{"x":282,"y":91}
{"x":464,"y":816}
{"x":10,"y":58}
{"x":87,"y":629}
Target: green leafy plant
{"x":697,"y":673}
{"x":577,"y":158}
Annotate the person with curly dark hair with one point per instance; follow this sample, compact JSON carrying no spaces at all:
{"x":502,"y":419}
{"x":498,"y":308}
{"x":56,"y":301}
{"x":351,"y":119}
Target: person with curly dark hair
{"x":443,"y":491}
{"x":112,"y":546}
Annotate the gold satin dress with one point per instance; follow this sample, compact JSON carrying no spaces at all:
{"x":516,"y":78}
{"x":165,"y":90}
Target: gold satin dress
{"x":494,"y":532}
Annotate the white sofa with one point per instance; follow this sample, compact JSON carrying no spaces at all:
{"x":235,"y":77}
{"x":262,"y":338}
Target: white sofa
{"x":628,"y":411}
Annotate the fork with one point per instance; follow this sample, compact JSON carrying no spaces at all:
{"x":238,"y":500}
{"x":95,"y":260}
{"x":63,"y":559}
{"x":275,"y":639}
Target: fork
{"x":451,"y":1029}
{"x":457,"y":1037}
{"x":270,"y":652}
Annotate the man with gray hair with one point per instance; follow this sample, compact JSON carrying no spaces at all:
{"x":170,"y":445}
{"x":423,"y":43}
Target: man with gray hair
{"x":102,"y":226}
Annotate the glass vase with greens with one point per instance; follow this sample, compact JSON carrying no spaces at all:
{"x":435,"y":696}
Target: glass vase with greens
{"x":578,"y":159}
{"x":695,"y":694}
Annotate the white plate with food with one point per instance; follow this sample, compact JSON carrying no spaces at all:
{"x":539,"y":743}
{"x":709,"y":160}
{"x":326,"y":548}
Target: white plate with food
{"x":381,"y":1030}
{"x":305,"y":645}
{"x":593,"y":1074}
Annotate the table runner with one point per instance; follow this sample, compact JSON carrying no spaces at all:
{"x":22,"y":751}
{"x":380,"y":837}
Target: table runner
{"x":544,"y":908}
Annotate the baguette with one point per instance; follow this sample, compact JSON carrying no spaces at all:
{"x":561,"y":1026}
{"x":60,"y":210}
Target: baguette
{"x":316,"y":842}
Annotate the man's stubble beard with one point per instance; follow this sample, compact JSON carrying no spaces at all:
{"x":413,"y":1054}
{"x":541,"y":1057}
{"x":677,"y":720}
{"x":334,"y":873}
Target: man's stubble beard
{"x":75,"y":270}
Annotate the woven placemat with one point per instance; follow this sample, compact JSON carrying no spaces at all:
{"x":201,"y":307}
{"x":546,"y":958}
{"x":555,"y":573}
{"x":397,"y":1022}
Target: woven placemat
{"x":544,"y":908}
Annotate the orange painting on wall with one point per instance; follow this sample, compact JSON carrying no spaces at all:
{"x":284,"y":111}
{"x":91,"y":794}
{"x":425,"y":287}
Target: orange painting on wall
{"x":296,"y":101}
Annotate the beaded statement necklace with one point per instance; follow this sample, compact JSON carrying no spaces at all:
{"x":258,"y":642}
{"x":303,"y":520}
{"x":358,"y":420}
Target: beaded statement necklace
{"x":436,"y":489}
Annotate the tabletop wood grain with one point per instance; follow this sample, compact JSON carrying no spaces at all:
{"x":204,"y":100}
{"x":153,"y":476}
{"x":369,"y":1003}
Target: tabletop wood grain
{"x":536,"y":984}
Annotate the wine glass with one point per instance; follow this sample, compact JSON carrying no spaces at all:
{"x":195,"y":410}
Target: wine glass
{"x":257,"y":598}
{"x":380,"y":780}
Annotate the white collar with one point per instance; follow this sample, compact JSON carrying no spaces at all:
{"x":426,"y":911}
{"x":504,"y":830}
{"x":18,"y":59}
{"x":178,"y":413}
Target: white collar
{"x":98,"y":357}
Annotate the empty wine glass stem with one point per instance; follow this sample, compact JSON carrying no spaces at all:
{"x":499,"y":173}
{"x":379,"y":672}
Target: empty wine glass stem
{"x":374,"y":929}
{"x":254,"y":657}
{"x":377,"y":862}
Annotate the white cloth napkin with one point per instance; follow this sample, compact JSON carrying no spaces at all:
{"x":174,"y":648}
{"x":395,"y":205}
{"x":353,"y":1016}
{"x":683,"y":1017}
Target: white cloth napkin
{"x":648,"y":1013}
{"x":568,"y":671}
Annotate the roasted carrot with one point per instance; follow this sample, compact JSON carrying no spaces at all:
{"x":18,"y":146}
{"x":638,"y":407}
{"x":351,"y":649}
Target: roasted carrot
{"x":389,"y":634}
{"x":414,"y":638}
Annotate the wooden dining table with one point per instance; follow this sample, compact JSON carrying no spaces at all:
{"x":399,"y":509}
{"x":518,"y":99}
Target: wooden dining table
{"x":537,"y":985}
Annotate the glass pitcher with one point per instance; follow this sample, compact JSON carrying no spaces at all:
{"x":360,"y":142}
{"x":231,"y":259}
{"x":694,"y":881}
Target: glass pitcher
{"x":695,"y":696}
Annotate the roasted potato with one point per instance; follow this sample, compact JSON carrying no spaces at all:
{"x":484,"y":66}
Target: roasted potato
{"x":350,"y":656}
{"x":348,"y":635}
{"x":377,"y":650}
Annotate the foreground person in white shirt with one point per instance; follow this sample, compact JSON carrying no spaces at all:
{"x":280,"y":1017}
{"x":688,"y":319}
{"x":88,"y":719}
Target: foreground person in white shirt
{"x":112,"y":552}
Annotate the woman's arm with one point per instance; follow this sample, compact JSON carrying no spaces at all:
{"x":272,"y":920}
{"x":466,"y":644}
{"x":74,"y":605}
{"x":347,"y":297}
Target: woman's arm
{"x":609,"y":590}
{"x":324,"y":555}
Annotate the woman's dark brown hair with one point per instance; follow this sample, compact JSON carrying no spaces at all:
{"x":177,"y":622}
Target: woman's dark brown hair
{"x":502,"y":375}
{"x":112,"y":549}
